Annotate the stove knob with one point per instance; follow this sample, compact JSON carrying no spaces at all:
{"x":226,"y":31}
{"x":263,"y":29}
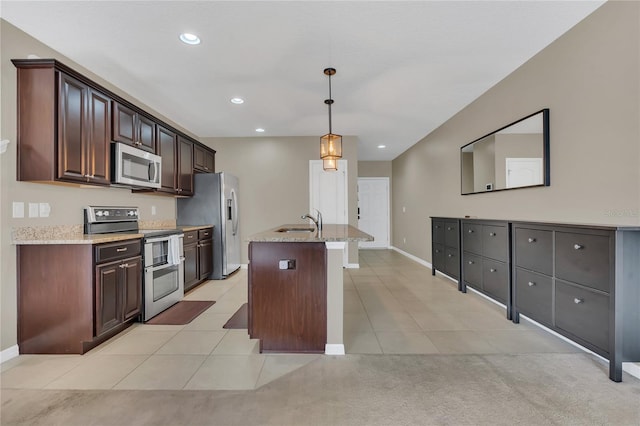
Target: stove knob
{"x":130,"y":213}
{"x":106,"y":213}
{"x":99,"y":213}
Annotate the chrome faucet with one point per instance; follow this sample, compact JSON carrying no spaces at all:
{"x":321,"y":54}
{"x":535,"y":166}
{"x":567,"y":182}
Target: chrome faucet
{"x":317,"y":221}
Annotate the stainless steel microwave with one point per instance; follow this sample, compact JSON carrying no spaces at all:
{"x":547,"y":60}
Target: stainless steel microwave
{"x":135,"y":167}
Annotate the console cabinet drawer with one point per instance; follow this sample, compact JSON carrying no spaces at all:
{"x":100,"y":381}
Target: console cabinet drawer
{"x":472,"y":270}
{"x":534,"y":249}
{"x":438,"y":231}
{"x":583,"y":313}
{"x":451,"y":234}
{"x":204,"y":234}
{"x":534,"y":295}
{"x":190,"y":237}
{"x":495,"y":279}
{"x":495,"y":242}
{"x":472,"y":237}
{"x":583,"y":259}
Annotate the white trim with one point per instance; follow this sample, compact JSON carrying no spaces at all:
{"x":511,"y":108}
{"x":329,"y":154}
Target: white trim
{"x":335,"y":245}
{"x":9,"y":353}
{"x":334,"y":349}
{"x":412,"y":257}
{"x":353,"y":266}
{"x":244,"y":266}
{"x":486,"y":297}
{"x":632,"y":368}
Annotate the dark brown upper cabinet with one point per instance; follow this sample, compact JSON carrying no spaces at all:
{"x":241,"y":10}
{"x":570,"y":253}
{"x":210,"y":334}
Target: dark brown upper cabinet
{"x":133,"y":128}
{"x":167,"y":141}
{"x":64,"y":125}
{"x":203,"y":159}
{"x":184,"y":170}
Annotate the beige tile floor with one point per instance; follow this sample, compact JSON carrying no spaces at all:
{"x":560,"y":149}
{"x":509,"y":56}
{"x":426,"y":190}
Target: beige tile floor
{"x":392,"y":305}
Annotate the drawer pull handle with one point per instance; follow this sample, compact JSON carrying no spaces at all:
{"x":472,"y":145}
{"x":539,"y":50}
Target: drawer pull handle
{"x":124,"y":265}
{"x":531,"y":283}
{"x":493,"y":269}
{"x":190,"y":236}
{"x":449,"y":228}
{"x":471,"y":231}
{"x":437,"y":251}
{"x":578,"y":301}
{"x":471,"y":262}
{"x":532,"y":240}
{"x":578,"y":247}
{"x":492,"y":234}
{"x":449,"y":255}
{"x":119,"y":250}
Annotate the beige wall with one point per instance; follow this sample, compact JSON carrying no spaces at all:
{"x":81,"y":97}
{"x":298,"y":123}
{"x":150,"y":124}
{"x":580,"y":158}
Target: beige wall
{"x":589,"y":80}
{"x":274,"y":180}
{"x":374,"y":169}
{"x":66,"y":202}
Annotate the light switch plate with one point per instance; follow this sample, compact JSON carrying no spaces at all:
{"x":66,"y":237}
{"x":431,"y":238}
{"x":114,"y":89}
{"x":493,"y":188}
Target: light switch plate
{"x":33,"y":209}
{"x":18,"y":209}
{"x":283,"y":264}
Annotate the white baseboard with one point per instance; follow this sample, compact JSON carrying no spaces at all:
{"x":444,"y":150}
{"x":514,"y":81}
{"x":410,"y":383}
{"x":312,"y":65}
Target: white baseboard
{"x":353,"y":266}
{"x":632,"y":368}
{"x":244,"y":266}
{"x":334,"y":349}
{"x":412,"y":257}
{"x":9,"y":353}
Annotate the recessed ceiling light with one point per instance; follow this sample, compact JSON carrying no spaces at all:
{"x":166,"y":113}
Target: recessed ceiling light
{"x":260,"y":130}
{"x":189,"y":38}
{"x":382,"y":146}
{"x":237,"y":101}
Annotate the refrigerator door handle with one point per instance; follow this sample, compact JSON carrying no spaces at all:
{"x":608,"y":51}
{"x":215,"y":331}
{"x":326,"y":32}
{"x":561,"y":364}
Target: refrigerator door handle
{"x":234,"y":213}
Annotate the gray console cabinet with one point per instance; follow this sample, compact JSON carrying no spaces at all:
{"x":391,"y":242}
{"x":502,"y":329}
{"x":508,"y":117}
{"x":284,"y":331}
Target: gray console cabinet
{"x":445,"y":246}
{"x":582,"y":282}
{"x":486,"y":259}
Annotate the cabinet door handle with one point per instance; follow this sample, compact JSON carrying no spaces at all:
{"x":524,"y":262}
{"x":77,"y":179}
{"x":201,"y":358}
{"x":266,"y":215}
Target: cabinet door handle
{"x":449,"y":255}
{"x":531,"y":283}
{"x":578,"y":301}
{"x":471,"y":231}
{"x":492,"y":234}
{"x":124,"y":265}
{"x":121,"y":249}
{"x":578,"y":247}
{"x":471,"y":262}
{"x":532,"y":240}
{"x":493,"y":269}
{"x":437,"y":251}
{"x":449,"y":228}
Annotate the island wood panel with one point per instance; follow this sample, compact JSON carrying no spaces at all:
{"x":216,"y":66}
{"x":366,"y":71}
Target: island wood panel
{"x":288,"y":308}
{"x":55,"y":298}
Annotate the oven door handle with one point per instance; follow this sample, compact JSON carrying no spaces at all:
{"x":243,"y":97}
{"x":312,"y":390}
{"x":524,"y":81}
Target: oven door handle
{"x":161,"y":267}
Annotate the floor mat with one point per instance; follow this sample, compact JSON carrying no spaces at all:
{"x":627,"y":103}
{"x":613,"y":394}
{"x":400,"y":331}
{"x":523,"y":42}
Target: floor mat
{"x":181,"y":313}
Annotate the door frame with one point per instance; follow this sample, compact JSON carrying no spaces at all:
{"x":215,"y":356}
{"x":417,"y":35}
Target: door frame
{"x":388,"y":182}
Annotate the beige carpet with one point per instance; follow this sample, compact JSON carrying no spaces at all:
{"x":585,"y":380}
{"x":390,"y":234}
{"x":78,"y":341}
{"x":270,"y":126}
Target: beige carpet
{"x":529,"y":389}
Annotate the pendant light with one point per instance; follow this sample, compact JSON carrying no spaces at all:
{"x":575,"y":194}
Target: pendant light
{"x":330,"y":144}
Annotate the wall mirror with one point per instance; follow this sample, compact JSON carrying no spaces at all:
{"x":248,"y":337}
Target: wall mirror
{"x":514,"y":156}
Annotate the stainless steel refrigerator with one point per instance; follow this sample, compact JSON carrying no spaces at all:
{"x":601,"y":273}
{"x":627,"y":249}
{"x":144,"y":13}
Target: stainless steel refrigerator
{"x":215,"y":201}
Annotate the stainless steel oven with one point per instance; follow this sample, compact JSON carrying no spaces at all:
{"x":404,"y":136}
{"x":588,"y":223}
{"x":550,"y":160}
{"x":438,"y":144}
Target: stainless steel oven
{"x":163,"y":271}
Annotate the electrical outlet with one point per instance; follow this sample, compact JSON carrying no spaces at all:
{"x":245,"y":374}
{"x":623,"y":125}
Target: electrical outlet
{"x":153,"y":210}
{"x":45,"y":209}
{"x":34,"y":209}
{"x":18,"y":209}
{"x":404,"y":241}
{"x":404,"y":209}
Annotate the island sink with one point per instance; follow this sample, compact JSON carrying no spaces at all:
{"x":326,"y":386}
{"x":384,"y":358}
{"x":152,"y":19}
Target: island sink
{"x":298,"y":229}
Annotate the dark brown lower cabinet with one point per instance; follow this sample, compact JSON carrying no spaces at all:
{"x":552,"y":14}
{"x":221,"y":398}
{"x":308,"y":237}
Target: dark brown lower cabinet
{"x":72,"y":297}
{"x":288,"y":296}
{"x":198,"y":257}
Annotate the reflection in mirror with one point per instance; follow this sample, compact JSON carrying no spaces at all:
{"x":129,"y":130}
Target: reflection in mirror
{"x":514,"y":156}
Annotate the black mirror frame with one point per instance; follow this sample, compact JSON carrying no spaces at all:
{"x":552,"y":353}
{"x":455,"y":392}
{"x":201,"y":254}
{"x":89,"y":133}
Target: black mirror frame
{"x":545,"y":148}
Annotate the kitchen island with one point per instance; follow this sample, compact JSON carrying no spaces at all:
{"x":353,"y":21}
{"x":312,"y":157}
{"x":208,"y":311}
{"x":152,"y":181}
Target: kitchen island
{"x":296,"y":287}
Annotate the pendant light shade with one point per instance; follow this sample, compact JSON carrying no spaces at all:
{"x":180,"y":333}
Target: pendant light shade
{"x":330,"y":164}
{"x":330,"y":144}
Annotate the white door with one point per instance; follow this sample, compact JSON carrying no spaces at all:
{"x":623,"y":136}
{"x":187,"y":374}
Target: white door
{"x":373,"y":211}
{"x":523,"y":172}
{"x":328,"y":194}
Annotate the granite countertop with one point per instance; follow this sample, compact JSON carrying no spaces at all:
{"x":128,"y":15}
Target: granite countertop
{"x":330,"y":232}
{"x":74,"y":234}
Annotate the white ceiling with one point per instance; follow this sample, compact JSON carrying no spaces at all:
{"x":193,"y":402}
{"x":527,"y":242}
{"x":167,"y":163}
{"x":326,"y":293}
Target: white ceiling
{"x":403,"y":67}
